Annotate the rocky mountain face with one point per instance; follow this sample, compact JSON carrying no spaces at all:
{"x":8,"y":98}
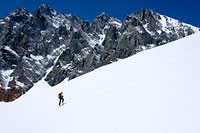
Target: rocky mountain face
{"x":47,"y":44}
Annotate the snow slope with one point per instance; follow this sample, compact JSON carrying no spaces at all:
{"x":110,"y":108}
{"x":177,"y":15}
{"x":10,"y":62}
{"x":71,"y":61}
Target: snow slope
{"x":155,"y":91}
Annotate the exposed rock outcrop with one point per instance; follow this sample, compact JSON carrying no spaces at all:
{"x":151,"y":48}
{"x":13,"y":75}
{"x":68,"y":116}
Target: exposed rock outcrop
{"x":10,"y":95}
{"x":32,"y":43}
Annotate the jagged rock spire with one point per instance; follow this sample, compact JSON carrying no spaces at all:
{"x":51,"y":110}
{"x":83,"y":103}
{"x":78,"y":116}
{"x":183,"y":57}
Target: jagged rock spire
{"x":31,"y":43}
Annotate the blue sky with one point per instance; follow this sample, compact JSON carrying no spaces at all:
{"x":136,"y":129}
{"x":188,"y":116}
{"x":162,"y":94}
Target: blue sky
{"x":183,"y":10}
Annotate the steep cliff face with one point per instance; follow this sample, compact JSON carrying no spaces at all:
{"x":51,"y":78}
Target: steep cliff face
{"x":66,"y":46}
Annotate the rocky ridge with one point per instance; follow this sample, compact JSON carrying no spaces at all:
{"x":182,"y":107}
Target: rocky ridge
{"x":54,"y":46}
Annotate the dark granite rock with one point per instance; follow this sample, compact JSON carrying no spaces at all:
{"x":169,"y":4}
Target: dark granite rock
{"x":31,"y":43}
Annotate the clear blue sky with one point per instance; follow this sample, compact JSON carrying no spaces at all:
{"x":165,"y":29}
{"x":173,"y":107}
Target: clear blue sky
{"x":184,"y":10}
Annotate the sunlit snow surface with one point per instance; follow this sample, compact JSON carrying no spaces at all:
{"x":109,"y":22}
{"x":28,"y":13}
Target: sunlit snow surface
{"x":155,"y":91}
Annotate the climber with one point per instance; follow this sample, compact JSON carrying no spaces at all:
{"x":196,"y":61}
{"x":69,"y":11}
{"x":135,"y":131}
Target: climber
{"x":61,"y":99}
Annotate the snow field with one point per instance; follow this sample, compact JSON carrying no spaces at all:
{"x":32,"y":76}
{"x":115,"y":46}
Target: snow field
{"x":155,"y":91}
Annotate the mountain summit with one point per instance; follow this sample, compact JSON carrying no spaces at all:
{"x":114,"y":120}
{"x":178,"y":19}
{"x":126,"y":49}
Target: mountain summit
{"x":54,"y":46}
